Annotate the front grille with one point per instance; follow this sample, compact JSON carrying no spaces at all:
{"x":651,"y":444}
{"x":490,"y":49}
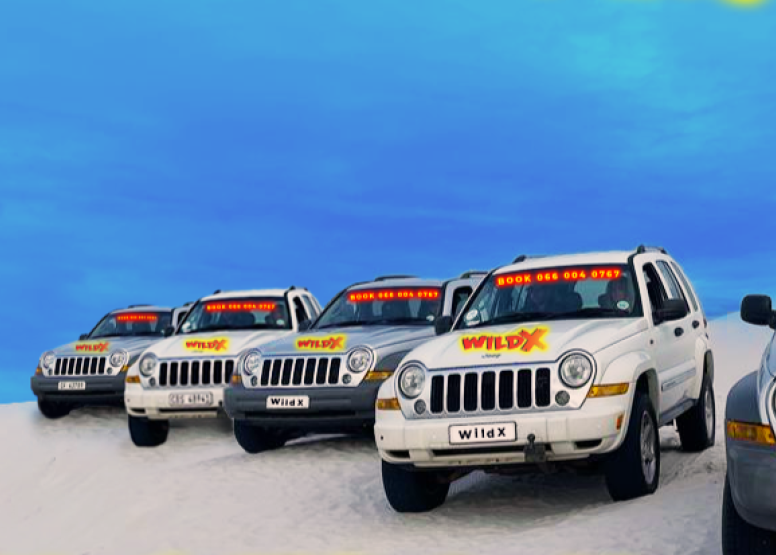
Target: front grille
{"x":491,"y":390}
{"x":303,"y":371}
{"x":80,"y":366}
{"x":195,"y":373}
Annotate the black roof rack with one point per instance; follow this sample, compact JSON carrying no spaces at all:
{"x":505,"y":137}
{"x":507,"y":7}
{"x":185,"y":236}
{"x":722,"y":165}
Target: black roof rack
{"x":216,"y":292}
{"x":398,"y":276}
{"x":138,"y":305}
{"x":471,"y":273}
{"x":295,"y":287}
{"x":646,"y":248}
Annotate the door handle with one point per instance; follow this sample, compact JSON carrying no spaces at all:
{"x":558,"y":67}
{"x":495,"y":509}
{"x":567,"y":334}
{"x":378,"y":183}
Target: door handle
{"x":695,"y":324}
{"x":678,"y":332}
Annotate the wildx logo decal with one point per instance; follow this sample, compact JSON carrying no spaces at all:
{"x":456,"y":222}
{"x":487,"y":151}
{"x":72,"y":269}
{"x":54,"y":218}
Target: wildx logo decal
{"x":330,"y":343}
{"x":213,"y":345}
{"x":100,"y":347}
{"x":521,"y":340}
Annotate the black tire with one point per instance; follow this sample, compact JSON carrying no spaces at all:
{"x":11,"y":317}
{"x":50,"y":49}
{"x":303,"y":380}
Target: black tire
{"x":255,"y":439}
{"x":413,"y":491}
{"x":148,"y":433}
{"x":738,"y":536}
{"x":54,"y":409}
{"x":693,"y":426}
{"x":626,"y":476}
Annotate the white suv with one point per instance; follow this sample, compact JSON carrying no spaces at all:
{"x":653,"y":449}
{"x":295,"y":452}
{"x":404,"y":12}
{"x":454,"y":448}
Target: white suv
{"x":552,"y":359}
{"x":184,"y":376}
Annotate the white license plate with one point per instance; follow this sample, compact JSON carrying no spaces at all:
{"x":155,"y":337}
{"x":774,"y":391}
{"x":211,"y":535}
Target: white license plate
{"x":288,"y":402}
{"x":483,"y":433}
{"x":72,"y":386}
{"x":190,"y":399}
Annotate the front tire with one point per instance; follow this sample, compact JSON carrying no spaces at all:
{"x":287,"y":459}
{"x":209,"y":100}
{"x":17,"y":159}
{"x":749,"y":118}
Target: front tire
{"x":254,"y":439}
{"x":54,"y":409}
{"x":634,"y":469}
{"x":413,"y":492}
{"x":148,"y":433}
{"x":697,"y":427}
{"x":738,"y":536}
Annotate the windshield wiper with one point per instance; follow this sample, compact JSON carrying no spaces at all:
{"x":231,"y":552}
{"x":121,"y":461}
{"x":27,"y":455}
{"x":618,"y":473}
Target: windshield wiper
{"x":590,"y":311}
{"x":107,"y":335}
{"x":345,"y":324}
{"x":515,"y":318}
{"x":400,"y":321}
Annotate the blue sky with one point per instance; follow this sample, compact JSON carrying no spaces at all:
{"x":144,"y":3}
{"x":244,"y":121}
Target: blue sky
{"x":156,"y":151}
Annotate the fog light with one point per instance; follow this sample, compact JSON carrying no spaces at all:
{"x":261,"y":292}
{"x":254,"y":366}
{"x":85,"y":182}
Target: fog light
{"x":152,"y":381}
{"x":420,"y":406}
{"x":110,"y":371}
{"x":346,"y":379}
{"x":254,"y":381}
{"x":562,"y":398}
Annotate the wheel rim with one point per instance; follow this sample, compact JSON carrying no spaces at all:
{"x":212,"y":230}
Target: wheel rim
{"x":708,"y":403}
{"x":648,"y":451}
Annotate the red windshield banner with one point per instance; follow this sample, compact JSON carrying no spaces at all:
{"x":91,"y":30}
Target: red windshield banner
{"x":551,"y":276}
{"x":137,"y":317}
{"x":247,"y":306}
{"x":393,"y":295}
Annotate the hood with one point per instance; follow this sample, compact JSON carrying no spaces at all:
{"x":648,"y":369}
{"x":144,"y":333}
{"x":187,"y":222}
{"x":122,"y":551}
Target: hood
{"x":215,"y":343}
{"x":525,"y":342}
{"x":107,"y":345}
{"x":341,"y":340}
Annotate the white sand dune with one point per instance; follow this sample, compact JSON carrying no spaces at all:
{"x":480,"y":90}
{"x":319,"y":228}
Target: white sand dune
{"x":79,"y":486}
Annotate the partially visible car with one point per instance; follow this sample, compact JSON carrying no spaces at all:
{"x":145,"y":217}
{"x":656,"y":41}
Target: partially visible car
{"x":749,"y":497}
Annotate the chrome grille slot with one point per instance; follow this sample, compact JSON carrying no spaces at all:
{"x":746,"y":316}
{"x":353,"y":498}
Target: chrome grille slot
{"x":300,"y":371}
{"x":78,"y":366}
{"x":195,"y":373}
{"x":490,"y":390}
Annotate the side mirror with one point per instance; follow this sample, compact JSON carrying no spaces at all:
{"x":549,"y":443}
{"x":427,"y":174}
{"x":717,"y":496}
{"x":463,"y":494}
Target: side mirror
{"x":305,"y":325}
{"x":672,"y":309}
{"x":168,"y":331}
{"x":757,"y":310}
{"x":83,"y":336}
{"x":443,"y":324}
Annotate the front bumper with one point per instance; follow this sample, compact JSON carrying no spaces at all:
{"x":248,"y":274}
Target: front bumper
{"x":99,"y":390}
{"x":566,"y":435}
{"x":331,"y":409}
{"x":155,"y":404}
{"x":752,"y":474}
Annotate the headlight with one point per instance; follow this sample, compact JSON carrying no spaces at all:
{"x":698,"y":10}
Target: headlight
{"x":250,"y":363}
{"x":118,"y":358}
{"x":359,"y":359}
{"x":411,"y":380}
{"x":148,"y":364}
{"x":47,"y":360}
{"x":576,"y":370}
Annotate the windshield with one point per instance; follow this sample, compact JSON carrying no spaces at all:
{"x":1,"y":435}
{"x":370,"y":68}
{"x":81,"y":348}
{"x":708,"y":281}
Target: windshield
{"x":132,"y":324}
{"x":554,"y":293}
{"x":237,"y":314}
{"x":383,"y":306}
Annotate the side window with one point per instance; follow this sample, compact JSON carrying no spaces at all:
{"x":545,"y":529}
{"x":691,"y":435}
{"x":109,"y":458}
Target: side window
{"x":181,"y":316}
{"x":299,"y":311}
{"x":686,"y":284}
{"x":460,"y":296}
{"x":669,"y":278}
{"x":655,"y":289}
{"x":311,"y":310}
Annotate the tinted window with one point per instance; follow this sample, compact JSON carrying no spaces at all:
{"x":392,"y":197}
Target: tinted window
{"x":309,"y":306}
{"x":123,"y":324}
{"x":299,"y":310}
{"x":460,"y":297}
{"x":237,"y":314}
{"x":383,"y":306}
{"x":655,"y":288}
{"x":674,"y":289}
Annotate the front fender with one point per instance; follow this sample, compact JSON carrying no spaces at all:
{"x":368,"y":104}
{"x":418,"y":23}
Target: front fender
{"x":628,"y":368}
{"x":742,"y":402}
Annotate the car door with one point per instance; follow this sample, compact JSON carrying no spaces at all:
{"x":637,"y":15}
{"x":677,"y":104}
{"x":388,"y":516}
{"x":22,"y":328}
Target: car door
{"x":692,"y":325}
{"x":672,"y":347}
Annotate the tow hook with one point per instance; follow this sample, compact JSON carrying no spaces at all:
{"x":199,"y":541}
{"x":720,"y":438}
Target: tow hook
{"x":535,"y":452}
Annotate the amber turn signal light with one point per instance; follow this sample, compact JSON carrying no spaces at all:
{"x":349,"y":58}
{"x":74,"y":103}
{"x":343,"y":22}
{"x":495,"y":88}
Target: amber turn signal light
{"x":752,"y":433}
{"x":388,"y":404}
{"x":608,"y":390}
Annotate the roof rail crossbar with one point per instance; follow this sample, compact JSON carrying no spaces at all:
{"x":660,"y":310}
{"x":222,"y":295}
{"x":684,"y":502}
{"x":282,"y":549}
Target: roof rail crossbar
{"x":216,"y":292}
{"x":138,"y":305}
{"x":524,"y":257}
{"x":641,"y":249}
{"x":471,"y":273}
{"x":397,"y":276}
